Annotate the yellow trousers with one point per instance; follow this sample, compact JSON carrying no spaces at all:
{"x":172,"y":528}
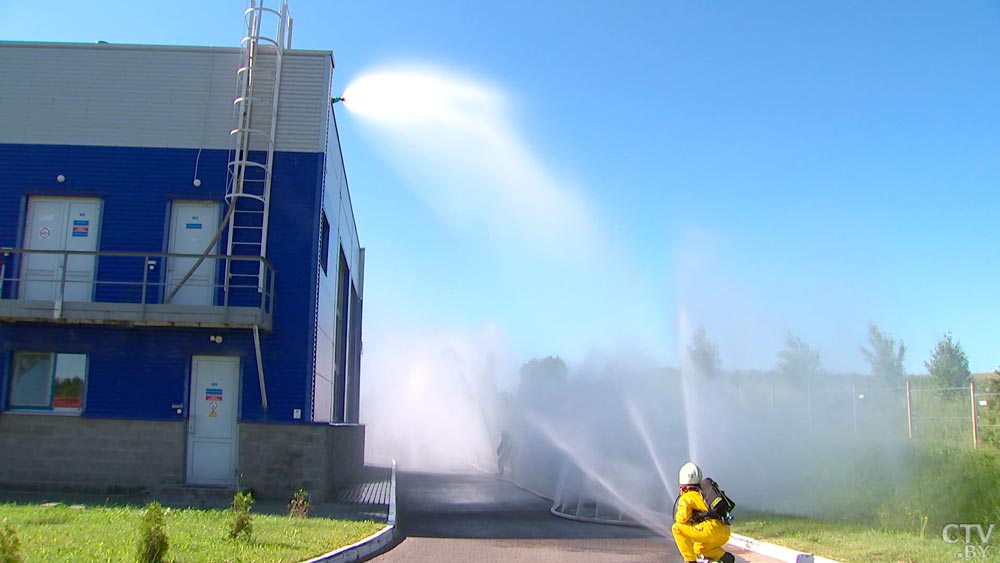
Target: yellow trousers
{"x":705,"y":539}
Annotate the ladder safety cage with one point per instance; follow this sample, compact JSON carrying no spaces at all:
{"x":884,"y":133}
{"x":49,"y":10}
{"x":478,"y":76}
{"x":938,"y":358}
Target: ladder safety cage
{"x":251,"y":161}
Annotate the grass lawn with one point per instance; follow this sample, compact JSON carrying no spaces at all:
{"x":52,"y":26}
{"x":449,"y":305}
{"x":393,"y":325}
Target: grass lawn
{"x":101,"y":534}
{"x":853,"y":543}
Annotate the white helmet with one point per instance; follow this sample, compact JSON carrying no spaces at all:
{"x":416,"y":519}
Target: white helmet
{"x":690,"y":474}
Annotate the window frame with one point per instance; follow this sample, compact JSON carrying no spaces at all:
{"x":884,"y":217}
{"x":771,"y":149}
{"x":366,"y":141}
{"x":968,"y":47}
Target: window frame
{"x":324,"y":242}
{"x":11,"y":407}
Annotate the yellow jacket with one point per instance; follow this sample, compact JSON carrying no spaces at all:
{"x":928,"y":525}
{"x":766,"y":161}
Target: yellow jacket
{"x":690,"y":505}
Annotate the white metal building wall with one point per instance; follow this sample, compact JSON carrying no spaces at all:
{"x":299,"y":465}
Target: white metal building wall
{"x":152,"y":96}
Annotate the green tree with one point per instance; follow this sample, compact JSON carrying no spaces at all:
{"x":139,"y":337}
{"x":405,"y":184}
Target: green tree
{"x":884,"y":356}
{"x":541,"y":376}
{"x":704,"y":355}
{"x":948,"y":365}
{"x":797,"y":359}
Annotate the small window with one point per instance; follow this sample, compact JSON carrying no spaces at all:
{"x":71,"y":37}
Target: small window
{"x":47,"y":381}
{"x":324,"y":243}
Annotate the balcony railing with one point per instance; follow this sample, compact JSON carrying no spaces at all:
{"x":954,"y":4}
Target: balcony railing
{"x":135,"y":289}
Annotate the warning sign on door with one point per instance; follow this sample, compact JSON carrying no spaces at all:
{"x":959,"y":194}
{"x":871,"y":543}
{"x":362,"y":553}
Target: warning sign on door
{"x":213,"y":394}
{"x":44,"y":232}
{"x":81,"y":227}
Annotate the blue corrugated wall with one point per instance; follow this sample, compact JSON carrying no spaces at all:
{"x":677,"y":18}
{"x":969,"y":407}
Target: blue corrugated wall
{"x":141,"y":372}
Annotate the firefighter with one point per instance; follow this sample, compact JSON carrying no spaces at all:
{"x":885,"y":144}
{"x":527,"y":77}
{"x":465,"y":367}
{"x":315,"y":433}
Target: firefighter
{"x":696,"y":530}
{"x":505,"y":453}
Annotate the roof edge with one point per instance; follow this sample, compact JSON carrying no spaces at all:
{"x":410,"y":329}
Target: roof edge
{"x":143,"y":47}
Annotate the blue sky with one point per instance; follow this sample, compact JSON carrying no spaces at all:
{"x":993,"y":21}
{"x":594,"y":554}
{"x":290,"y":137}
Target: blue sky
{"x":751,"y":167}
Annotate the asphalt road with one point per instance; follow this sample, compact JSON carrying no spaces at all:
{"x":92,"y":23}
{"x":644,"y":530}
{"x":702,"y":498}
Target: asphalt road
{"x":472,"y":518}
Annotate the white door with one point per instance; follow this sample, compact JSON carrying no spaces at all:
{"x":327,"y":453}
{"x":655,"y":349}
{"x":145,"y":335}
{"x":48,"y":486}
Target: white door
{"x":192,"y":227}
{"x":212,"y":436}
{"x":56,"y":223}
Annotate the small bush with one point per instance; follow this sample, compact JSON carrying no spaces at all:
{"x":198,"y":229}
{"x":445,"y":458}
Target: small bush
{"x":153,"y":542}
{"x":299,"y":506}
{"x":242,"y":522}
{"x":10,"y":545}
{"x":946,"y":486}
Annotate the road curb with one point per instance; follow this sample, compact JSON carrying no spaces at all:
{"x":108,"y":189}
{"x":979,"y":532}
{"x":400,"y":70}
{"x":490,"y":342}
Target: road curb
{"x":366,"y":548}
{"x":783,"y":554}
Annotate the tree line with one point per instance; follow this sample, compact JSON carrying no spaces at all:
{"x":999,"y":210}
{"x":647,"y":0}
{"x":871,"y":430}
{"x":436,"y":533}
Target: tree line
{"x":947,"y":366}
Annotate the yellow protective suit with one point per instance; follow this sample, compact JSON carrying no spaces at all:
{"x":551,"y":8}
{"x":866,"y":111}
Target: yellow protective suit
{"x":704,"y":538}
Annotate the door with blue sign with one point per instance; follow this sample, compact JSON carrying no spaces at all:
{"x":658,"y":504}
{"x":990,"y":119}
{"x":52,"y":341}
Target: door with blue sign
{"x":60,"y":224}
{"x":212,"y":428}
{"x":192,"y":227}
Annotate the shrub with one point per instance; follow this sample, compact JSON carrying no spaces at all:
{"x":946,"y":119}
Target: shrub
{"x":299,"y":506}
{"x":153,"y":542}
{"x":10,"y":545}
{"x":242,"y":523}
{"x":947,"y":485}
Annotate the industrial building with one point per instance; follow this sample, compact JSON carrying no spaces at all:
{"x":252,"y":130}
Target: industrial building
{"x":181,"y":282}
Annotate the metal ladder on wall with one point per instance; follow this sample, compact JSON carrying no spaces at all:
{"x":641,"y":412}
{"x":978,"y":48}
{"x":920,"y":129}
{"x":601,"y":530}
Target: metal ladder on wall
{"x":251,"y":161}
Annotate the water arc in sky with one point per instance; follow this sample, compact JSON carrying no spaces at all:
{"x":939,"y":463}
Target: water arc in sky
{"x":455,"y":140}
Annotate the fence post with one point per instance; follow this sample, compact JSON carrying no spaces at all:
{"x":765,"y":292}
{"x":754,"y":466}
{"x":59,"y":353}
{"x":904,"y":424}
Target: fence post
{"x":854,"y":406}
{"x":909,"y":411}
{"x":975,"y":415}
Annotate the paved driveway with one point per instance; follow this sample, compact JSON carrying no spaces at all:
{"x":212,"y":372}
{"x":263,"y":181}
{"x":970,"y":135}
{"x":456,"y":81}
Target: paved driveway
{"x":472,"y":518}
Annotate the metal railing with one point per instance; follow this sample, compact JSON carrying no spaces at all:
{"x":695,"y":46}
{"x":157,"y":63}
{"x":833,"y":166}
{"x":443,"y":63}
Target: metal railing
{"x":133,"y":287}
{"x":578,"y":497}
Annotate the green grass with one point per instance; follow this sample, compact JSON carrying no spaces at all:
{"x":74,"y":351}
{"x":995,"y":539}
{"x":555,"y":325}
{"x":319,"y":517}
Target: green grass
{"x":888,"y":503}
{"x":102,"y":534}
{"x":853,"y":543}
{"x":889,"y":506}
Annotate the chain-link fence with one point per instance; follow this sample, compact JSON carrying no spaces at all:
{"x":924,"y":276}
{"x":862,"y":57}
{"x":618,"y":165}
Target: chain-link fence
{"x":834,"y":406}
{"x":939,"y":414}
{"x":918,"y":410}
{"x":968,"y":414}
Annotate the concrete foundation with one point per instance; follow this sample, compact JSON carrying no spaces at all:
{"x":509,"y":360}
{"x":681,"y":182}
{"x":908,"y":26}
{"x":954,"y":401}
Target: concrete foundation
{"x":69,"y":452}
{"x":276,"y":459}
{"x":39,"y":451}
